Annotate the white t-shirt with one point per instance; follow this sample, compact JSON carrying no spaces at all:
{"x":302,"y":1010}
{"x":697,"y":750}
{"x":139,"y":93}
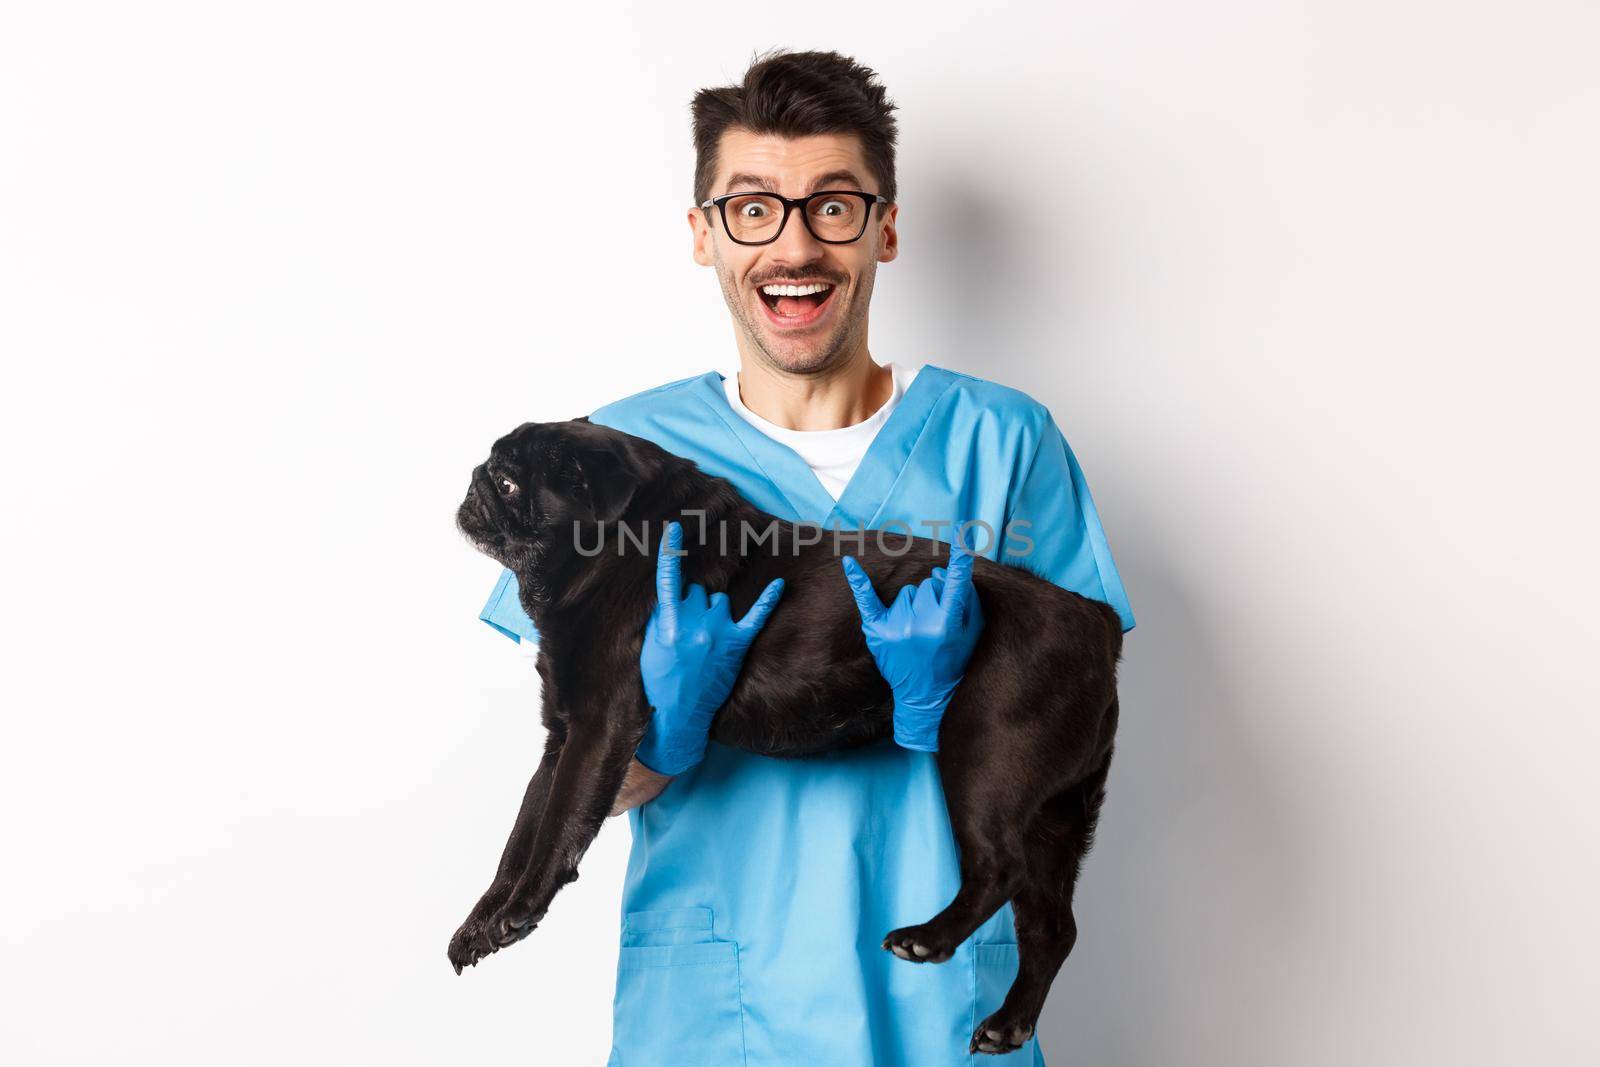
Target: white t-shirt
{"x":833,"y":454}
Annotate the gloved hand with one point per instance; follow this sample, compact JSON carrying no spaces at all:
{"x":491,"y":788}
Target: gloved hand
{"x":691,"y":657}
{"x":922,"y":642}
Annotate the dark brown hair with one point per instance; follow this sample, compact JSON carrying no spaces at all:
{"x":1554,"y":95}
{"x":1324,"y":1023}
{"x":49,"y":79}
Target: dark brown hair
{"x":798,"y":94}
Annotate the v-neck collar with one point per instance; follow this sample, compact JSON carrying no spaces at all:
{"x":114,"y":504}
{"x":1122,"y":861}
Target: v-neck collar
{"x":885,"y":458}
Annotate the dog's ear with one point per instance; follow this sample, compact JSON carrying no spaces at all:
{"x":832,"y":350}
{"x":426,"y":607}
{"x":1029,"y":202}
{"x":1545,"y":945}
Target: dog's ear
{"x":599,"y":474}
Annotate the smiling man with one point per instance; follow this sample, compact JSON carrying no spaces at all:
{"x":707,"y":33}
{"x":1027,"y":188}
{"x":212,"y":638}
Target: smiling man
{"x":759,"y":891}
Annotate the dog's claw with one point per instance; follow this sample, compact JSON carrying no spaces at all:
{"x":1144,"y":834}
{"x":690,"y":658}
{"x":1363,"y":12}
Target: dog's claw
{"x":508,"y":929}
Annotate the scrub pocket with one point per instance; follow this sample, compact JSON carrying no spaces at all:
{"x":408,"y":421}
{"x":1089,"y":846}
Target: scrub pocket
{"x":677,"y":1002}
{"x":996,"y":964}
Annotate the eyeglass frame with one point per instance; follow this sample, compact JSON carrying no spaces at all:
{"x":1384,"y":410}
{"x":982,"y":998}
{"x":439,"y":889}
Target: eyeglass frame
{"x":872,"y":200}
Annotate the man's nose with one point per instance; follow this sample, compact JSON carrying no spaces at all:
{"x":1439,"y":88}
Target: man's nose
{"x":795,"y":244}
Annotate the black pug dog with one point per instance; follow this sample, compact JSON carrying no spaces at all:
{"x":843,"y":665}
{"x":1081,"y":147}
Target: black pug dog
{"x":1024,"y":745}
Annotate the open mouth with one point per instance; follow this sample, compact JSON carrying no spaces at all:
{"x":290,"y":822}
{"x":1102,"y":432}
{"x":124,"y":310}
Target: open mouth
{"x":794,"y":306}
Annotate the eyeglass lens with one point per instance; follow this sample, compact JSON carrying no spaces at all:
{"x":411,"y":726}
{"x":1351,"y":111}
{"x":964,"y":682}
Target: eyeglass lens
{"x":755,"y":217}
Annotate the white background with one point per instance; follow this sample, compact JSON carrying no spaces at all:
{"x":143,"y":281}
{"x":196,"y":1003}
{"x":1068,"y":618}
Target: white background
{"x":1311,"y":288}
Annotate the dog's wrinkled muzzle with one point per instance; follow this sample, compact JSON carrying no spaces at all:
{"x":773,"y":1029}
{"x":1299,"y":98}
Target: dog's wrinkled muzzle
{"x":479,"y":514}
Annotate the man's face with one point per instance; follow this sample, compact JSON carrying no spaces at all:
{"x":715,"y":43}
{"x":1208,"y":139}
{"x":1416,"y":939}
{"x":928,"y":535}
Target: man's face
{"x":816,"y":338}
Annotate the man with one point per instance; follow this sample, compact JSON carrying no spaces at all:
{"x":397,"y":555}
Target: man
{"x":759,"y":890}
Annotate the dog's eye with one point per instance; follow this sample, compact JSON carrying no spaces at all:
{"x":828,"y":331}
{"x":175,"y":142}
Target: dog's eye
{"x":507,"y":487}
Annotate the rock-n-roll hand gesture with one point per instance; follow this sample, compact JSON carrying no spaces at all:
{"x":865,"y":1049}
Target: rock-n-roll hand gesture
{"x":922,"y":642}
{"x":692,"y":653}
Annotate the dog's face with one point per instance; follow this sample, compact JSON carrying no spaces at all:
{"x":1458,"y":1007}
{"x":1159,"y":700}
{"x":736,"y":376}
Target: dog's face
{"x":542,"y":482}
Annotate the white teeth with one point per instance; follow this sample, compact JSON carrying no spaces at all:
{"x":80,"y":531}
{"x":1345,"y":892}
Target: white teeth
{"x":794,"y":290}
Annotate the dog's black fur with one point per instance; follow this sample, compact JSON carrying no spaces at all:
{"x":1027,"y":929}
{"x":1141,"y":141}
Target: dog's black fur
{"x":1024,"y":746}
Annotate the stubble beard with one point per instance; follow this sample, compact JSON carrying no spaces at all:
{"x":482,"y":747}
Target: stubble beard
{"x":796,"y":357}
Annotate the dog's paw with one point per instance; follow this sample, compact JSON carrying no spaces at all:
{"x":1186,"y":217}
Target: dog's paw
{"x":471,"y":942}
{"x":511,"y":924}
{"x":997,"y":1035}
{"x":469,"y":945}
{"x":919,"y":944}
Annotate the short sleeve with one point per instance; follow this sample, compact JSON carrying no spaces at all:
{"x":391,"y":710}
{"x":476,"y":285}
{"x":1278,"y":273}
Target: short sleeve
{"x":1052,"y":508}
{"x":504,"y":611}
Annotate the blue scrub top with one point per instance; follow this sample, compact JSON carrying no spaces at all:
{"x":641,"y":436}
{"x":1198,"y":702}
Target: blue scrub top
{"x":759,"y":890}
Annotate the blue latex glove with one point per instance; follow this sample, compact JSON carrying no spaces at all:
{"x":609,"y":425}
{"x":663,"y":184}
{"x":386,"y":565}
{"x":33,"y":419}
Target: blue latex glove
{"x":922,"y":643}
{"x":691,"y":657}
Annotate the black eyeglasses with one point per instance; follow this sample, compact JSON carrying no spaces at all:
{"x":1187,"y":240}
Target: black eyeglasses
{"x":834,"y":216}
